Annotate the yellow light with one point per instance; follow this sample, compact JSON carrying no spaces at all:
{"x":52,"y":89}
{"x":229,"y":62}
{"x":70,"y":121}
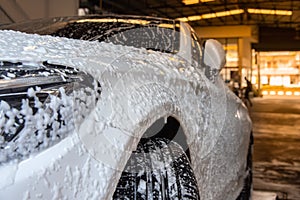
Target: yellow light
{"x":269,"y":12}
{"x":297,"y":93}
{"x":183,"y":19}
{"x":190,"y":2}
{"x":222,"y":13}
{"x":209,"y":15}
{"x":289,"y":93}
{"x":194,"y":18}
{"x":265,"y":93}
{"x":280,"y":93}
{"x":212,"y":15}
{"x":272,"y":93}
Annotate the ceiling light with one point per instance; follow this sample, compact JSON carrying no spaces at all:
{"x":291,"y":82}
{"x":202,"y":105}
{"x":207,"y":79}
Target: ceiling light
{"x":183,"y":19}
{"x":269,"y":12}
{"x":223,"y":13}
{"x":212,"y":15}
{"x":194,"y":18}
{"x":190,"y":2}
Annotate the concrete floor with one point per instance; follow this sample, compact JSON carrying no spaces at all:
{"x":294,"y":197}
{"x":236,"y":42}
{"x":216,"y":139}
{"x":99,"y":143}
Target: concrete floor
{"x":276,"y":156}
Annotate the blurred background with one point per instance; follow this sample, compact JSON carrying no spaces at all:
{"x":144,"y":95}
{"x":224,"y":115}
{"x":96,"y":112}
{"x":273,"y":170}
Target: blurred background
{"x":262,"y":43}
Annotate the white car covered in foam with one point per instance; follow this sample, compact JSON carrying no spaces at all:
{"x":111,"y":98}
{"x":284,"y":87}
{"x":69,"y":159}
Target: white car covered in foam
{"x":118,"y":107}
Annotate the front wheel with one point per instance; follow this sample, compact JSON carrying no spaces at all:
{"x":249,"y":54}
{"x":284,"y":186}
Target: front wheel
{"x":158,"y":169}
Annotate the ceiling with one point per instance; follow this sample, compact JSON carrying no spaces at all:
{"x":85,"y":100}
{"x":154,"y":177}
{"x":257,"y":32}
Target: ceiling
{"x":177,"y":9}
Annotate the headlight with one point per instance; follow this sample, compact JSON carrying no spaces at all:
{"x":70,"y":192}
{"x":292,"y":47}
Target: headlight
{"x":40,"y":104}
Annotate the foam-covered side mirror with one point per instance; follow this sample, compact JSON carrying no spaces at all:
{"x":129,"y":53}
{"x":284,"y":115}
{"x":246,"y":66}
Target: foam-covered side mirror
{"x":214,"y":58}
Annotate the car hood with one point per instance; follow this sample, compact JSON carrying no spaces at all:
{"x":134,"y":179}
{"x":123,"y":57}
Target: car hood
{"x":84,"y":55}
{"x":124,"y":73}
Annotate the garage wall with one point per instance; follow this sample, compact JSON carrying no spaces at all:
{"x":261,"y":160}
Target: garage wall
{"x":19,"y":10}
{"x":48,"y":8}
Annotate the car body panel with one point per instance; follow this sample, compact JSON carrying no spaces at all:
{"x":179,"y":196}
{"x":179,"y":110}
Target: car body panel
{"x":139,"y":86}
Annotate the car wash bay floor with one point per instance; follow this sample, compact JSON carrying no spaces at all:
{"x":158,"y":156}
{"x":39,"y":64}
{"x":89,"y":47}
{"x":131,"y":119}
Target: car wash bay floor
{"x":276,"y":154}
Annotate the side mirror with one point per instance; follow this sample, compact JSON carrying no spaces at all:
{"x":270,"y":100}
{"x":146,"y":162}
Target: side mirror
{"x":213,"y":58}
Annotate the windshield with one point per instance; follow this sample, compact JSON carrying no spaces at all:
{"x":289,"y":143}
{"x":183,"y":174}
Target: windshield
{"x":154,"y":35}
{"x":150,"y":33}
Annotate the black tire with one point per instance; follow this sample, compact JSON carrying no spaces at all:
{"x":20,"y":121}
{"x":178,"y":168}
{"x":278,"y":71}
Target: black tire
{"x":247,"y":189}
{"x":158,"y":169}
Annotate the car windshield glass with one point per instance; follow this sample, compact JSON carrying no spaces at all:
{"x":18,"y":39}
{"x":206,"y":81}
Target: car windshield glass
{"x":155,"y":35}
{"x":150,"y":33}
